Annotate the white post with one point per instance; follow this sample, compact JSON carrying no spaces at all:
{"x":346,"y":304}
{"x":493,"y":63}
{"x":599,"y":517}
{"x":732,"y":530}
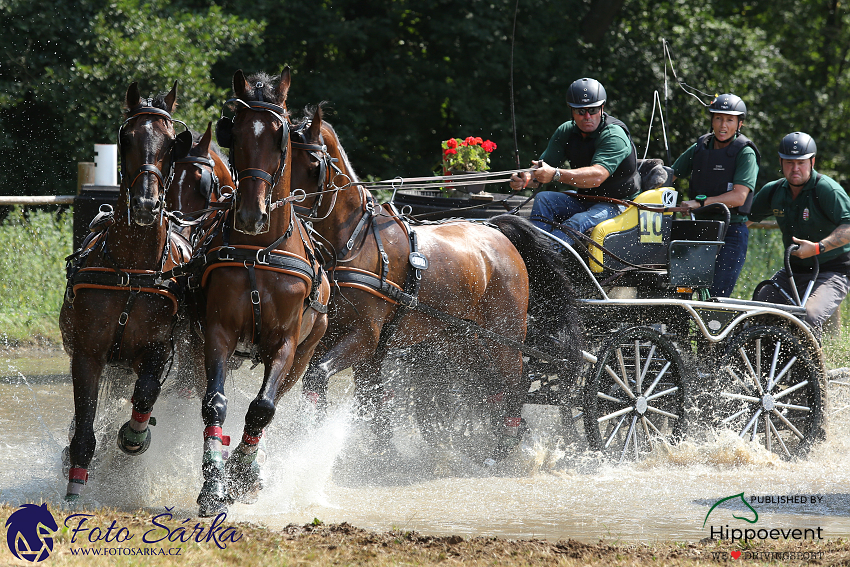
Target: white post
{"x":105,"y":164}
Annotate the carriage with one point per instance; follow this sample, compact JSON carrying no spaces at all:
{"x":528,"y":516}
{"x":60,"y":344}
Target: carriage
{"x":662,"y":359}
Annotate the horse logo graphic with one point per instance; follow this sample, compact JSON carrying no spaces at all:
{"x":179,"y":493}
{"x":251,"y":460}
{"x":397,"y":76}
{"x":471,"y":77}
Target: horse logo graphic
{"x":747,"y":504}
{"x":29,"y":531}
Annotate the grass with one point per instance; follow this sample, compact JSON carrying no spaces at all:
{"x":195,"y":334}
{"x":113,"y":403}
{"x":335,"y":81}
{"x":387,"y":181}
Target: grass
{"x":32,"y":274}
{"x":342,"y":544}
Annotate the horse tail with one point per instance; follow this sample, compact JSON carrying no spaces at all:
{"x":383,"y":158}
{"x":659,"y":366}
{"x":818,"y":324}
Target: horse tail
{"x":552,"y":309}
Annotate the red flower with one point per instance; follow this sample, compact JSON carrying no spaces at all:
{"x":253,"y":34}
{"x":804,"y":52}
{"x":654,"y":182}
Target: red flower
{"x":488,"y":146}
{"x":450,"y":151}
{"x":451,"y":143}
{"x":470,"y":141}
{"x":478,"y":141}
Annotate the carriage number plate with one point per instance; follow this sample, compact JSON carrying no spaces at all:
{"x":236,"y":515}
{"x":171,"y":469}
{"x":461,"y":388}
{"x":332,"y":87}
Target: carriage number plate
{"x":650,"y":227}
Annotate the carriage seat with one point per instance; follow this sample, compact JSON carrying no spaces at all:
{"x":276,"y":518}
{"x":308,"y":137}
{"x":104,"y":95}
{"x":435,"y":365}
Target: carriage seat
{"x":637,"y":236}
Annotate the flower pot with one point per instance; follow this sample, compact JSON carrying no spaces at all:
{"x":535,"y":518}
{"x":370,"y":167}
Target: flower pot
{"x":470,"y":189}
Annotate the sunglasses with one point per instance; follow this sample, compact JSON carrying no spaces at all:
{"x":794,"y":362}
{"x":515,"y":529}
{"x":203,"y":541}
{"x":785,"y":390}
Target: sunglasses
{"x":592,"y":111}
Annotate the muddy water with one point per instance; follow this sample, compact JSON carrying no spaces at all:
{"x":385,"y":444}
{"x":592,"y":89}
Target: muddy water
{"x":329,"y":470}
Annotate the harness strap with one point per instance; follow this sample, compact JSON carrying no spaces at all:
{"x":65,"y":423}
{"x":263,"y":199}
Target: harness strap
{"x":255,"y":307}
{"x":115,"y":349}
{"x":367,"y":214}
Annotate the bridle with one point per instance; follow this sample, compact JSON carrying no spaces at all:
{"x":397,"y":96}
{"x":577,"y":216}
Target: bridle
{"x":224,"y":136}
{"x":149,"y":168}
{"x":209,"y":184}
{"x":328,"y":172}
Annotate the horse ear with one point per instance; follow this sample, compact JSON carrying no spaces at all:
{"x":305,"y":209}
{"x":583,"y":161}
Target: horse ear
{"x":133,"y":97}
{"x":240,"y":85}
{"x":315,"y":130}
{"x":283,"y":86}
{"x":203,"y":146}
{"x":171,"y":99}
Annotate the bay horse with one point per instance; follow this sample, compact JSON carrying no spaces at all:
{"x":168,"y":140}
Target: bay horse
{"x":266,"y":293}
{"x":474,"y":273}
{"x":117,"y":311}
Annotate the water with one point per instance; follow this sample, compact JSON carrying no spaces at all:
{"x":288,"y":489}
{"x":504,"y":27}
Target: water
{"x":330,"y":472}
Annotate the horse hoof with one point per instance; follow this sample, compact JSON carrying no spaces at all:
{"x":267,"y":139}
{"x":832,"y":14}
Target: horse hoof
{"x":243,"y":481}
{"x":212,"y":500}
{"x":133,"y":442}
{"x":72,"y":498}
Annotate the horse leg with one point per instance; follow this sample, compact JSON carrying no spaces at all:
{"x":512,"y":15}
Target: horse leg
{"x":371,"y":398}
{"x":346,"y":352}
{"x":134,"y":437}
{"x":86,"y":371}
{"x":213,"y":496}
{"x":509,"y":363}
{"x":243,"y":466}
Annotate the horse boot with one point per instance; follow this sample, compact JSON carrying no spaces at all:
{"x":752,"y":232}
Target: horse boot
{"x":77,"y":478}
{"x":213,"y":497}
{"x":134,"y":437}
{"x":243,"y":470}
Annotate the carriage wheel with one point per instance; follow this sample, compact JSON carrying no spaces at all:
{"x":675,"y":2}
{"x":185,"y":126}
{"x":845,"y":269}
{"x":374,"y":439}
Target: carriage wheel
{"x":635,"y":395}
{"x":771,"y":390}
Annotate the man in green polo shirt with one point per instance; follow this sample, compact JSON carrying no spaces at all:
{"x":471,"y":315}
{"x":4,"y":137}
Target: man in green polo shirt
{"x":723,"y":166}
{"x":812,"y":211}
{"x":603,"y":162}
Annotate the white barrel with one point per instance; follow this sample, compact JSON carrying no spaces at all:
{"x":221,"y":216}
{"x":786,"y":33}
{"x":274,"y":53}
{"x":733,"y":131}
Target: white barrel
{"x":105,"y":164}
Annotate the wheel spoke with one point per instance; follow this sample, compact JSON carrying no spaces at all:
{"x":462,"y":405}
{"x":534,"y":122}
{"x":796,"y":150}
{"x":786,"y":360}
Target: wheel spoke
{"x":619,"y":382}
{"x":767,"y":431}
{"x":737,"y":379}
{"x":773,"y":362}
{"x":662,"y":412}
{"x":617,"y":413}
{"x":758,"y":364}
{"x":782,"y":373}
{"x":652,"y":425}
{"x":628,"y":439}
{"x":657,"y":379}
{"x":750,"y":424}
{"x":779,"y":438}
{"x":664,"y":393}
{"x":637,"y":366}
{"x":755,"y":374}
{"x":793,"y":388}
{"x":732,"y":396}
{"x":613,"y":433}
{"x":793,"y":407}
{"x":646,"y":367}
{"x":734,"y":416}
{"x":610,"y":398}
{"x":622,"y":361}
{"x":789,"y":424}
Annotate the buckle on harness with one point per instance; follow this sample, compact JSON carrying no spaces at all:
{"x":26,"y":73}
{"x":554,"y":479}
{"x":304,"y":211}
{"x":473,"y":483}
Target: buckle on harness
{"x":123,"y":282}
{"x":223,"y":255}
{"x":255,"y":297}
{"x":260,"y":260}
{"x":122,"y":319}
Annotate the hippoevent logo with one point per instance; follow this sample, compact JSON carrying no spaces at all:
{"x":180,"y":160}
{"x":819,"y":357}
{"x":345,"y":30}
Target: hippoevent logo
{"x":29,"y":531}
{"x":31,"y":527}
{"x":745,"y":534}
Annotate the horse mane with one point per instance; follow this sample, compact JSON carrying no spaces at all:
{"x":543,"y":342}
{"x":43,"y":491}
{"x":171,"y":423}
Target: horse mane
{"x":304,"y":121}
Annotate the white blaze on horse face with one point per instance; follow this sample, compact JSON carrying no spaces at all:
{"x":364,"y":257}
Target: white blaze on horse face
{"x":259,"y":127}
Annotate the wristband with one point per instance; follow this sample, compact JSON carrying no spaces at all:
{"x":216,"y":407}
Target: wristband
{"x":821,"y":248}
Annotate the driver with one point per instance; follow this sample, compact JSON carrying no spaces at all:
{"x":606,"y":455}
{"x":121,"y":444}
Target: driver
{"x":812,"y":211}
{"x":603,"y":162}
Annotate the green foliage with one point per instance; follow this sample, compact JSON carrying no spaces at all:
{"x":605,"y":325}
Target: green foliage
{"x":32,"y":273}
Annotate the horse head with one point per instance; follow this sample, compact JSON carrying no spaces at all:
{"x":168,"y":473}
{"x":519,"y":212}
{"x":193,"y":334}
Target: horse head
{"x":258,"y":137}
{"x":148,"y":147}
{"x":199,"y":177}
{"x":319,"y":162}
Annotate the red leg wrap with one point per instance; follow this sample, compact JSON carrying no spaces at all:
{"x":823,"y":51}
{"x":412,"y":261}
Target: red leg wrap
{"x":217,"y":433}
{"x":78,"y":475}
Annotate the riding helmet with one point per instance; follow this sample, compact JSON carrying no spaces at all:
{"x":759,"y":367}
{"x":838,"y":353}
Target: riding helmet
{"x":728,"y":104}
{"x":797,"y":145}
{"x":586,"y":93}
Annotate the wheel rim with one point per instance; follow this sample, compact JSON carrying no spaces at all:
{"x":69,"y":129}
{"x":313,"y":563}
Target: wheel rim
{"x":770,"y":392}
{"x":635,"y":395}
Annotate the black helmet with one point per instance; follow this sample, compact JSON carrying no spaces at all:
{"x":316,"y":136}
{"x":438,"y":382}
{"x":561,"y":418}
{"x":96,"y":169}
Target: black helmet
{"x":797,"y":145}
{"x":728,"y":104}
{"x":586,"y":93}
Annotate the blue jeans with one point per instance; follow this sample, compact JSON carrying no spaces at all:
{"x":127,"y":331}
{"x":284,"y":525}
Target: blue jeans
{"x":730,"y":260}
{"x":569,"y":211}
